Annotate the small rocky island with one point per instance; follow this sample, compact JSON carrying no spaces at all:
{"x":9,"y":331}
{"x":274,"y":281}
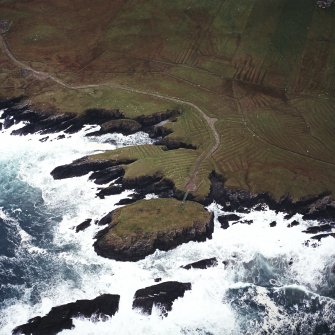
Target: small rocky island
{"x":139,"y":229}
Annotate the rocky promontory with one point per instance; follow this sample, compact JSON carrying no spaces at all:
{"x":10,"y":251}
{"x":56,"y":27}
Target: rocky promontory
{"x":137,"y":230}
{"x":60,"y":317}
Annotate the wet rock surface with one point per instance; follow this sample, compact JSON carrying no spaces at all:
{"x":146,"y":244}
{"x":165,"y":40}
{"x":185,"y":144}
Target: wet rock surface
{"x":78,"y":168}
{"x":84,"y":225}
{"x":202,"y":264}
{"x":83,"y":166}
{"x":293,"y":224}
{"x":319,"y":237}
{"x":225,"y":219}
{"x":60,"y":317}
{"x":318,"y":229}
{"x":107,"y":175}
{"x":273,"y":224}
{"x":161,"y":295}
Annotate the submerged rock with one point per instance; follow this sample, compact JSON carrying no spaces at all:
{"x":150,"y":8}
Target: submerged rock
{"x":161,"y":295}
{"x":137,"y":230}
{"x":60,"y":317}
{"x":202,"y":264}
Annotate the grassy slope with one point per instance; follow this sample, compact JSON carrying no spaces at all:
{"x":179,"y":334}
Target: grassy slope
{"x":264,"y":68}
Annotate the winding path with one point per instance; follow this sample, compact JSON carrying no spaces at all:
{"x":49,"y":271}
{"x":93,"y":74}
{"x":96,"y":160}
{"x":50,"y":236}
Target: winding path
{"x":191,"y":185}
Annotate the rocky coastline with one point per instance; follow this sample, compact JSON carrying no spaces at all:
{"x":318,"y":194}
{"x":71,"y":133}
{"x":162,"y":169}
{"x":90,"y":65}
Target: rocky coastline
{"x":61,"y":317}
{"x":161,"y":296}
{"x":112,"y":120}
{"x":138,"y":245}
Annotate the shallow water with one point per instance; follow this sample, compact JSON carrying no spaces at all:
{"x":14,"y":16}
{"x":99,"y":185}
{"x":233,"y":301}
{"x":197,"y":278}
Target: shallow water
{"x":270,"y":283}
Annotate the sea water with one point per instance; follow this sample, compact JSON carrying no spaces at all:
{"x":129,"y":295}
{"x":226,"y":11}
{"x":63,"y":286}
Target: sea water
{"x":268,"y":279}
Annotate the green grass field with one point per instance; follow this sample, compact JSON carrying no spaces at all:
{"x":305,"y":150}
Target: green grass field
{"x":157,"y":215}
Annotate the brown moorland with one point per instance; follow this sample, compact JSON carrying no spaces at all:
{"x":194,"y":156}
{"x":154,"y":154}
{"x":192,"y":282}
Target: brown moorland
{"x":264,"y":69}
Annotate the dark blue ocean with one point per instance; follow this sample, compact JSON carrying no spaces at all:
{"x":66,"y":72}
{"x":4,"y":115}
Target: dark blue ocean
{"x":270,"y":281}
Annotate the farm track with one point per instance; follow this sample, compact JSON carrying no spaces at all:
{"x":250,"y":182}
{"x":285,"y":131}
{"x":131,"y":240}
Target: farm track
{"x":40,"y":75}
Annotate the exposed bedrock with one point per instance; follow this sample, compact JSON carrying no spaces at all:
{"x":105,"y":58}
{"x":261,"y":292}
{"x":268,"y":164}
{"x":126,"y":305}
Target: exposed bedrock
{"x":202,"y":264}
{"x":161,"y":295}
{"x":83,"y":166}
{"x":225,"y":219}
{"x":316,"y":207}
{"x":123,"y":126}
{"x":144,"y":185}
{"x":151,"y":120}
{"x":137,"y":230}
{"x":107,"y":175}
{"x":60,"y":317}
{"x":84,"y":225}
{"x":174,"y":144}
{"x":106,"y":171}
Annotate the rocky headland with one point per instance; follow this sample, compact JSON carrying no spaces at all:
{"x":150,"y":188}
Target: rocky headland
{"x":61,"y":317}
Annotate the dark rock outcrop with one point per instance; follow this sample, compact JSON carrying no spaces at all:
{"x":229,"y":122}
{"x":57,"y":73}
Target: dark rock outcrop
{"x":123,"y":126}
{"x":317,"y":207}
{"x":293,"y":224}
{"x":273,"y":224}
{"x":133,"y":198}
{"x":161,"y":295}
{"x":110,"y":190}
{"x":107,"y":219}
{"x":202,"y":264}
{"x":174,"y":144}
{"x":153,"y":119}
{"x":83,"y":166}
{"x":323,"y":208}
{"x":225,"y":219}
{"x":245,"y":222}
{"x":60,"y":317}
{"x":78,"y":168}
{"x":83,"y":225}
{"x":107,"y":175}
{"x":319,"y":237}
{"x":318,"y":229}
{"x":160,"y":131}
